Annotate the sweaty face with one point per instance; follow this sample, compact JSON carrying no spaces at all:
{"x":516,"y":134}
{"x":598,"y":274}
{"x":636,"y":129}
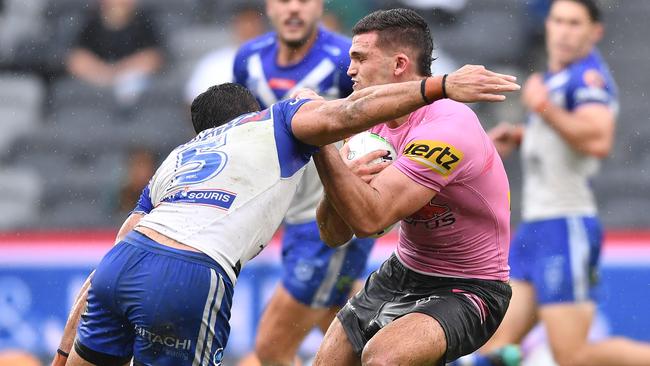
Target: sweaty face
{"x":369,"y":65}
{"x":294,"y":20}
{"x":570,"y":32}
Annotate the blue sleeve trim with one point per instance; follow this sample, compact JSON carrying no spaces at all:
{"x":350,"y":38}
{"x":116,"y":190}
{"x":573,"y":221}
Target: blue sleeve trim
{"x":144,"y":204}
{"x":293,"y":154}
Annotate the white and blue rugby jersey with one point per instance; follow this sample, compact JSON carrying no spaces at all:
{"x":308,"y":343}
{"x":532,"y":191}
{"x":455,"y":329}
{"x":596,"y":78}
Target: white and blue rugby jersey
{"x":556,"y":177}
{"x":323,"y":69}
{"x":226,"y":191}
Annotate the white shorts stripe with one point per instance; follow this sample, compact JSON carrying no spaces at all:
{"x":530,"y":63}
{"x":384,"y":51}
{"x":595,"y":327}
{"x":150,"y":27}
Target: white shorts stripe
{"x":200,"y":340}
{"x":213,"y":320}
{"x":579,"y":256}
{"x":332,"y":275}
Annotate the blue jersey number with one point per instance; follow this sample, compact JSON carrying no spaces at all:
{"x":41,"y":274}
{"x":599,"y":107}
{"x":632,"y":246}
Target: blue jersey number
{"x":197,"y":164}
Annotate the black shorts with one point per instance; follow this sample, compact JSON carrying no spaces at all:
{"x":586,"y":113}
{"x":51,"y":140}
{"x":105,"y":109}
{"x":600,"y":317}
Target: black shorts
{"x":468,"y":310}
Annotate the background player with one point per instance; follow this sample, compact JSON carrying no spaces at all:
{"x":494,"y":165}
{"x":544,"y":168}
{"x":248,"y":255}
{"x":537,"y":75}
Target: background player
{"x":444,"y":291}
{"x":554,"y":255}
{"x":316,"y":279}
{"x":206,"y":212}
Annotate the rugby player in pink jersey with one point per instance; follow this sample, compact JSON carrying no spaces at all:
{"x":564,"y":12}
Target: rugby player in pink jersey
{"x":445,"y":290}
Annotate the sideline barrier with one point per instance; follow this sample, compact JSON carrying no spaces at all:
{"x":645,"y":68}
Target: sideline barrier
{"x":40,"y":274}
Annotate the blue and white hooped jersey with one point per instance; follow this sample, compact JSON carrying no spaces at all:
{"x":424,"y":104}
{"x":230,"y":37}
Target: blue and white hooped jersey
{"x":323,"y":69}
{"x":226,"y":191}
{"x":556,"y":176}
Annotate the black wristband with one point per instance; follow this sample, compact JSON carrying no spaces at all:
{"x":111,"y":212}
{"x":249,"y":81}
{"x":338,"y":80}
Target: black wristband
{"x":444,"y":86}
{"x":62,"y":353}
{"x":423,"y":84}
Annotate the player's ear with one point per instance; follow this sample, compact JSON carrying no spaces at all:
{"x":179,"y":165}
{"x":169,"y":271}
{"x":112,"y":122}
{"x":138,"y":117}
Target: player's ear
{"x":598,"y":32}
{"x":401,"y":64}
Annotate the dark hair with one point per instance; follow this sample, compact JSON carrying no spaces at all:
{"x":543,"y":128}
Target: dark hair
{"x":592,"y":8}
{"x":220,"y":104}
{"x":400,"y":27}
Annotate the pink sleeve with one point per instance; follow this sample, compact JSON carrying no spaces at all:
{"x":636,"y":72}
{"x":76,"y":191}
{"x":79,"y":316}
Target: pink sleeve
{"x":438,"y":153}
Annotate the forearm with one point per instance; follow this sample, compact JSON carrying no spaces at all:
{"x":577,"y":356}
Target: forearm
{"x":146,"y":61}
{"x":70,"y":329}
{"x":332,"y":228}
{"x":354,"y":201}
{"x":367,"y":107}
{"x":85,"y":65}
{"x":583,"y":135}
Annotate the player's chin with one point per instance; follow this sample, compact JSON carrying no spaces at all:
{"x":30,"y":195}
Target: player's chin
{"x":295,"y":39}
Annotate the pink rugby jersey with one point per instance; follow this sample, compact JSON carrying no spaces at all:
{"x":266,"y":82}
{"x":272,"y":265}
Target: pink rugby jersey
{"x":465,"y":230}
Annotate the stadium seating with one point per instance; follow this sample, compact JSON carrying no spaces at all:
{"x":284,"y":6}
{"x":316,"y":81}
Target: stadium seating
{"x":65,"y":142}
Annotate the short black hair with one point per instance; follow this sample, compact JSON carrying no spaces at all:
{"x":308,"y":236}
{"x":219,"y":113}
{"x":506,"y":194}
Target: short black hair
{"x":400,"y":27}
{"x":220,"y":104}
{"x":592,"y":7}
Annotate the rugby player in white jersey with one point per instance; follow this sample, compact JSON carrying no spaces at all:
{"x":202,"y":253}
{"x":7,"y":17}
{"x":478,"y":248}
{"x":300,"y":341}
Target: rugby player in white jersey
{"x":316,"y":280}
{"x":554,"y":254}
{"x":162,"y":295}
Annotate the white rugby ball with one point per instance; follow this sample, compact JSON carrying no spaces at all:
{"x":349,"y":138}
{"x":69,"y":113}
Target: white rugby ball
{"x":367,"y":142}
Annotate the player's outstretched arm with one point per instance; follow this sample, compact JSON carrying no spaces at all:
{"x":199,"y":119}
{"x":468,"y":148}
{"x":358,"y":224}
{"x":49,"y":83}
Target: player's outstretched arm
{"x":322,"y":122}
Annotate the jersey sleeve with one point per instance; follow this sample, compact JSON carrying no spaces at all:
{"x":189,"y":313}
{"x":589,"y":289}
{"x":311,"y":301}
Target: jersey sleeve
{"x":292,"y":153}
{"x":239,"y":71}
{"x":434,"y":157}
{"x":144,"y":204}
{"x":345,"y":82}
{"x":589,"y":86}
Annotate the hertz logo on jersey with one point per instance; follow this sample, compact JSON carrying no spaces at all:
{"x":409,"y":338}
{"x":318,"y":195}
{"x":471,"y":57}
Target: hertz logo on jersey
{"x":435,"y":155}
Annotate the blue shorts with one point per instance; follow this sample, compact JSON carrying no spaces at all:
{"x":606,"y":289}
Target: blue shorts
{"x":559,"y":257}
{"x":159,"y":305}
{"x":317,"y":275}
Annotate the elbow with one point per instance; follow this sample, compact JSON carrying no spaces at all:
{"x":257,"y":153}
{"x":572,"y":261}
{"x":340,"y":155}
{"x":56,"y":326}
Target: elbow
{"x":600,"y":153}
{"x":366,"y":228}
{"x":333,"y":241}
{"x":600,"y":149}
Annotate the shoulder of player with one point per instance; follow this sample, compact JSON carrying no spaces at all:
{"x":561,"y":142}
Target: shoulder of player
{"x":592,"y":71}
{"x":333,"y":44}
{"x":447,"y":122}
{"x":447,"y":111}
{"x":256,"y":44}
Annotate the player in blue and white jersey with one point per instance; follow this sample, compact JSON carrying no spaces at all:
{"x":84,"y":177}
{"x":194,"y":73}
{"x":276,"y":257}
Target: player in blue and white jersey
{"x":162,"y":295}
{"x":316,"y":279}
{"x":554,"y":254}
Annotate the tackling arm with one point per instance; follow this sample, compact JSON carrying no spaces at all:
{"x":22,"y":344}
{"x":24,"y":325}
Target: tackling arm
{"x":322,"y":122}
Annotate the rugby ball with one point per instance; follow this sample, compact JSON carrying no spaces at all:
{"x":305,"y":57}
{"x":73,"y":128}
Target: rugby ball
{"x":367,"y":142}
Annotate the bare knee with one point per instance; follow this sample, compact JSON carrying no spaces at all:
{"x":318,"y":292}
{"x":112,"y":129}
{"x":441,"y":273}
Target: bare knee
{"x":373,"y":356}
{"x":376,"y":358}
{"x":270,"y":353}
{"x":575,"y":357}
